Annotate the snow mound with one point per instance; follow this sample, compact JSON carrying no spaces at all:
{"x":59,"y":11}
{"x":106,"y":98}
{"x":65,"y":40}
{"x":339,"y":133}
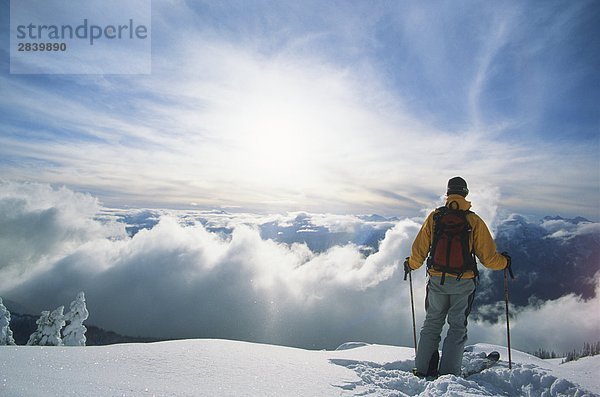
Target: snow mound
{"x":351,"y":345}
{"x":526,"y":378}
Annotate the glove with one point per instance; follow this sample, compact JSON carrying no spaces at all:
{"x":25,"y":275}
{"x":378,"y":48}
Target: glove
{"x":508,"y":263}
{"x":407,"y":268}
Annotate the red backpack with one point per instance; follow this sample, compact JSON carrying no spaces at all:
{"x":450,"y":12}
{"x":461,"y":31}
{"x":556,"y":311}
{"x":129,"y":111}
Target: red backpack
{"x":449,"y":251}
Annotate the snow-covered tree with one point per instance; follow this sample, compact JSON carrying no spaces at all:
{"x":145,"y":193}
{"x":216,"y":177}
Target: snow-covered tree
{"x":74,"y":332}
{"x":6,"y":334}
{"x":48,"y":331}
{"x":41,"y":322}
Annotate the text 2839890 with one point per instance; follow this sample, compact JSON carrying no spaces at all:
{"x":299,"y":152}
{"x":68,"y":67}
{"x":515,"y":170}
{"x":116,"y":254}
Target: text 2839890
{"x":41,"y":47}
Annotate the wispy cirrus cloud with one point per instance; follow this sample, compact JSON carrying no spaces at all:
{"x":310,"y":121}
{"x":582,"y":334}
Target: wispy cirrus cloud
{"x":348,"y":113}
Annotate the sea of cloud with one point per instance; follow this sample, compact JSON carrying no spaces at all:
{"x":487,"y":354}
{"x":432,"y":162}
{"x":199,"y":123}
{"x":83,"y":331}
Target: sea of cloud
{"x":180,"y":278}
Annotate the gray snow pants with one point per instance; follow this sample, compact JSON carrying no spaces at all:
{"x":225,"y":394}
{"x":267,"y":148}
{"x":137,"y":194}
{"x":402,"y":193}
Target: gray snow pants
{"x":453,"y":301}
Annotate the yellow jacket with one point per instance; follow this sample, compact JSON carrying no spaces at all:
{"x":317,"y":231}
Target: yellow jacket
{"x":481,"y":241}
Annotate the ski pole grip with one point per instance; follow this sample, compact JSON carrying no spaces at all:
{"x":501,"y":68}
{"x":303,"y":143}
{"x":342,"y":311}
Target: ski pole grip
{"x":406,"y":268}
{"x":508,"y":264}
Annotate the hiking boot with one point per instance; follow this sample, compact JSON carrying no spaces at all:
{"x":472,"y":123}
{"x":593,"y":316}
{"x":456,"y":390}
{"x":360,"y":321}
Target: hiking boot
{"x":428,"y":377}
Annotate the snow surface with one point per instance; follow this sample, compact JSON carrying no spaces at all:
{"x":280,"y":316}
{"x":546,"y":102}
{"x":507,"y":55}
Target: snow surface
{"x":229,"y":368}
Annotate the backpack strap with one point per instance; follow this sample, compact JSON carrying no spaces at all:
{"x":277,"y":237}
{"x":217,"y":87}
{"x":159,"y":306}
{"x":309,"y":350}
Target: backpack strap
{"x":439,"y":212}
{"x":475,"y":269}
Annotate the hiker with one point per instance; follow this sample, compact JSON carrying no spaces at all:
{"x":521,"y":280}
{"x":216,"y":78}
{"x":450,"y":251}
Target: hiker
{"x":450,"y":287}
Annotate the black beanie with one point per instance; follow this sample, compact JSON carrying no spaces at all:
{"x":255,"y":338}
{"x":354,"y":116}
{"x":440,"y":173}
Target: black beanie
{"x":457,"y":185}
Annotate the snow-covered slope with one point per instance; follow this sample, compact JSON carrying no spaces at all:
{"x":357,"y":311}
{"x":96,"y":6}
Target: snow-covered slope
{"x":229,"y":368}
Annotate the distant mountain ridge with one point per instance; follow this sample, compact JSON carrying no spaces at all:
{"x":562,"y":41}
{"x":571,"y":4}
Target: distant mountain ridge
{"x":366,"y":234}
{"x":575,"y":220}
{"x":550,"y":263}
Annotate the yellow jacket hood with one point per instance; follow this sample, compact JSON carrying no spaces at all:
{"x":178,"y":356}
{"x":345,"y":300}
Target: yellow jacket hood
{"x":462,"y":202}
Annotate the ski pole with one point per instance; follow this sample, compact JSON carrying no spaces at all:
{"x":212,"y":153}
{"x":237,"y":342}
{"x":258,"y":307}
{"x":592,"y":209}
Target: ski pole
{"x":507,"y":316}
{"x":507,"y":271}
{"x":412,"y":304}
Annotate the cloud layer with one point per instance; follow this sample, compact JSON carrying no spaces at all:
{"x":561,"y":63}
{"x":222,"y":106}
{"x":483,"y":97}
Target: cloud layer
{"x":180,"y":280}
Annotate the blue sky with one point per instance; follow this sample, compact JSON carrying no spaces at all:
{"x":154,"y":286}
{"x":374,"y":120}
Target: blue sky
{"x":344,"y":107}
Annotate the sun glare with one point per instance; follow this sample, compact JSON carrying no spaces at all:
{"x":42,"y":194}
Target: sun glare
{"x":277,"y":154}
{"x":275,"y":134}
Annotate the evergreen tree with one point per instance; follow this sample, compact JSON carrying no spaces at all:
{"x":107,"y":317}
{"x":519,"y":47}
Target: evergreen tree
{"x":544,"y":354}
{"x":589,"y":349}
{"x":48,"y":331}
{"x":51,"y":335}
{"x":42,"y":323}
{"x":74,"y":333}
{"x":6,"y":334}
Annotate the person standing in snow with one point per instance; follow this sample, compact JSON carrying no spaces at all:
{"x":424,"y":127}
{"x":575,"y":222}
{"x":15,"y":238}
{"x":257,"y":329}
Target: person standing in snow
{"x":450,"y":298}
